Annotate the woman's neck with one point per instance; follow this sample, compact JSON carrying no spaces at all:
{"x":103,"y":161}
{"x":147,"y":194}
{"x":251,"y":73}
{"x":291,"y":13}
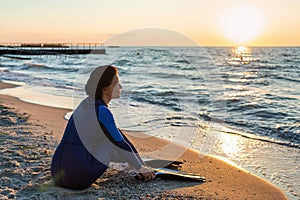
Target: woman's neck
{"x":106,"y":99}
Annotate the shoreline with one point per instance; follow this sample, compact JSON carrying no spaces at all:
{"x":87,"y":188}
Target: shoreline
{"x":223,"y":180}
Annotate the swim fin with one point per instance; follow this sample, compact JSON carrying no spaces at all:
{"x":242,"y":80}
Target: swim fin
{"x":169,"y":169}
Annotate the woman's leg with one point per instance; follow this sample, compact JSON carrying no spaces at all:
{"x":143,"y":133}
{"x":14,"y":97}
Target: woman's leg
{"x":73,"y":167}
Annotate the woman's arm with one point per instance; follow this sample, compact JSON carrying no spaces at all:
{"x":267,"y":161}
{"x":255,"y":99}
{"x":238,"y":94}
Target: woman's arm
{"x":132,"y":146}
{"x":123,"y":146}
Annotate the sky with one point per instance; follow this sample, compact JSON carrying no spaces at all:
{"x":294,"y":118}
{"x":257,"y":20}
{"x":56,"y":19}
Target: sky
{"x":204,"y":22}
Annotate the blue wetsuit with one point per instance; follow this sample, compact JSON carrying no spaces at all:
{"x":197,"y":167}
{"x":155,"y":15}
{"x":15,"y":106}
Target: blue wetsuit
{"x":90,"y":141}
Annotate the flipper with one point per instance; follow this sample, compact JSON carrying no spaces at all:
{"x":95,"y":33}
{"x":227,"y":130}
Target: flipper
{"x":169,"y":169}
{"x":165,"y":173}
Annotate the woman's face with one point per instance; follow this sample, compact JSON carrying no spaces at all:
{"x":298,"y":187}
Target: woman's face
{"x":115,"y":88}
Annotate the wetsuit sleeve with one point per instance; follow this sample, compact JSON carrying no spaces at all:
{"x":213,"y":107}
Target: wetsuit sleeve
{"x":106,"y":118}
{"x":111,"y":131}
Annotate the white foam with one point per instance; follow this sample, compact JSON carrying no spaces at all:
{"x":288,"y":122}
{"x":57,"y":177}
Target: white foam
{"x":28,"y":95}
{"x":14,"y":82}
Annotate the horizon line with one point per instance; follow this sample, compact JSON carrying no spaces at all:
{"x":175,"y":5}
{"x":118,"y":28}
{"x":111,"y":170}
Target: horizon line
{"x":101,"y":44}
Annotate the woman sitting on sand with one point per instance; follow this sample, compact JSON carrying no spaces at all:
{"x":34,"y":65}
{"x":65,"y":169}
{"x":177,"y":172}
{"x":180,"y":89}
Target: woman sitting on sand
{"x":91,"y":139}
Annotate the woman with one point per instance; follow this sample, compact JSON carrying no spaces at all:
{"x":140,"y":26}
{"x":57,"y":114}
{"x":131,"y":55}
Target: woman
{"x":91,"y":139}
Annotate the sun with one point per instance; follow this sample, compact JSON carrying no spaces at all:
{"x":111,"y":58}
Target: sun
{"x":242,"y":23}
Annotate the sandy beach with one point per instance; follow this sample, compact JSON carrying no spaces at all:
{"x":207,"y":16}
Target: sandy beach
{"x":29,"y":134}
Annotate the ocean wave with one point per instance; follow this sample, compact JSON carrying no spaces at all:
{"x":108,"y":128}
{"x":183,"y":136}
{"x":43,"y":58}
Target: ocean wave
{"x":68,"y":87}
{"x":183,"y":61}
{"x":287,"y":135}
{"x":71,"y":62}
{"x":267,"y":114}
{"x":258,"y":61}
{"x":182,"y":118}
{"x":171,"y":66}
{"x":288,"y":78}
{"x":263,"y":138}
{"x":207,"y":117}
{"x":245,"y":107}
{"x":229,"y":102}
{"x":42,"y":67}
{"x":122,"y":62}
{"x":12,"y":76}
{"x":10,"y":66}
{"x":167,"y":75}
{"x":279,"y":98}
{"x":170,"y":104}
{"x":27,"y":66}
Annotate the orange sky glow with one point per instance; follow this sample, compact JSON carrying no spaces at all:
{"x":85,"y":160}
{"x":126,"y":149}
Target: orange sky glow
{"x":207,"y":23}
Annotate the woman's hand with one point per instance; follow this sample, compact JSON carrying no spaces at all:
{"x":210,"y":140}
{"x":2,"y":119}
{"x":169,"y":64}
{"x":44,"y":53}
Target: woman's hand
{"x":147,"y":173}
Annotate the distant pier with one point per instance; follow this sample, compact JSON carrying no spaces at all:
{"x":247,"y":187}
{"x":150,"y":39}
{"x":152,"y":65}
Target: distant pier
{"x":17,"y":50}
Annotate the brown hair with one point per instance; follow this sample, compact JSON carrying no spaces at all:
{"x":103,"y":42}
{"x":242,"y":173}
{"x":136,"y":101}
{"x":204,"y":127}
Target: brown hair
{"x":100,"y":78}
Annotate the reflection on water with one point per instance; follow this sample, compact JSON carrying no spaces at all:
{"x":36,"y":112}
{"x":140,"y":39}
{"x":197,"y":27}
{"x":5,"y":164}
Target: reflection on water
{"x":256,"y":155}
{"x":240,"y":55}
{"x":230,"y":145}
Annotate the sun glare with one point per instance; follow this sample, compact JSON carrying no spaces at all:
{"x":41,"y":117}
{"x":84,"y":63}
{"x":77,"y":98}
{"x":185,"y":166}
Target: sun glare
{"x":241,"y":50}
{"x":242,"y":23}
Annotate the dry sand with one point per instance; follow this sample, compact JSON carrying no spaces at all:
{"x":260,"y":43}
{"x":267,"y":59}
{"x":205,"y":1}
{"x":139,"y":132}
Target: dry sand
{"x":29,"y":134}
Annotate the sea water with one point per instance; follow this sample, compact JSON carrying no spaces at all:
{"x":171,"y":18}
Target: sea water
{"x":239,"y":105}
